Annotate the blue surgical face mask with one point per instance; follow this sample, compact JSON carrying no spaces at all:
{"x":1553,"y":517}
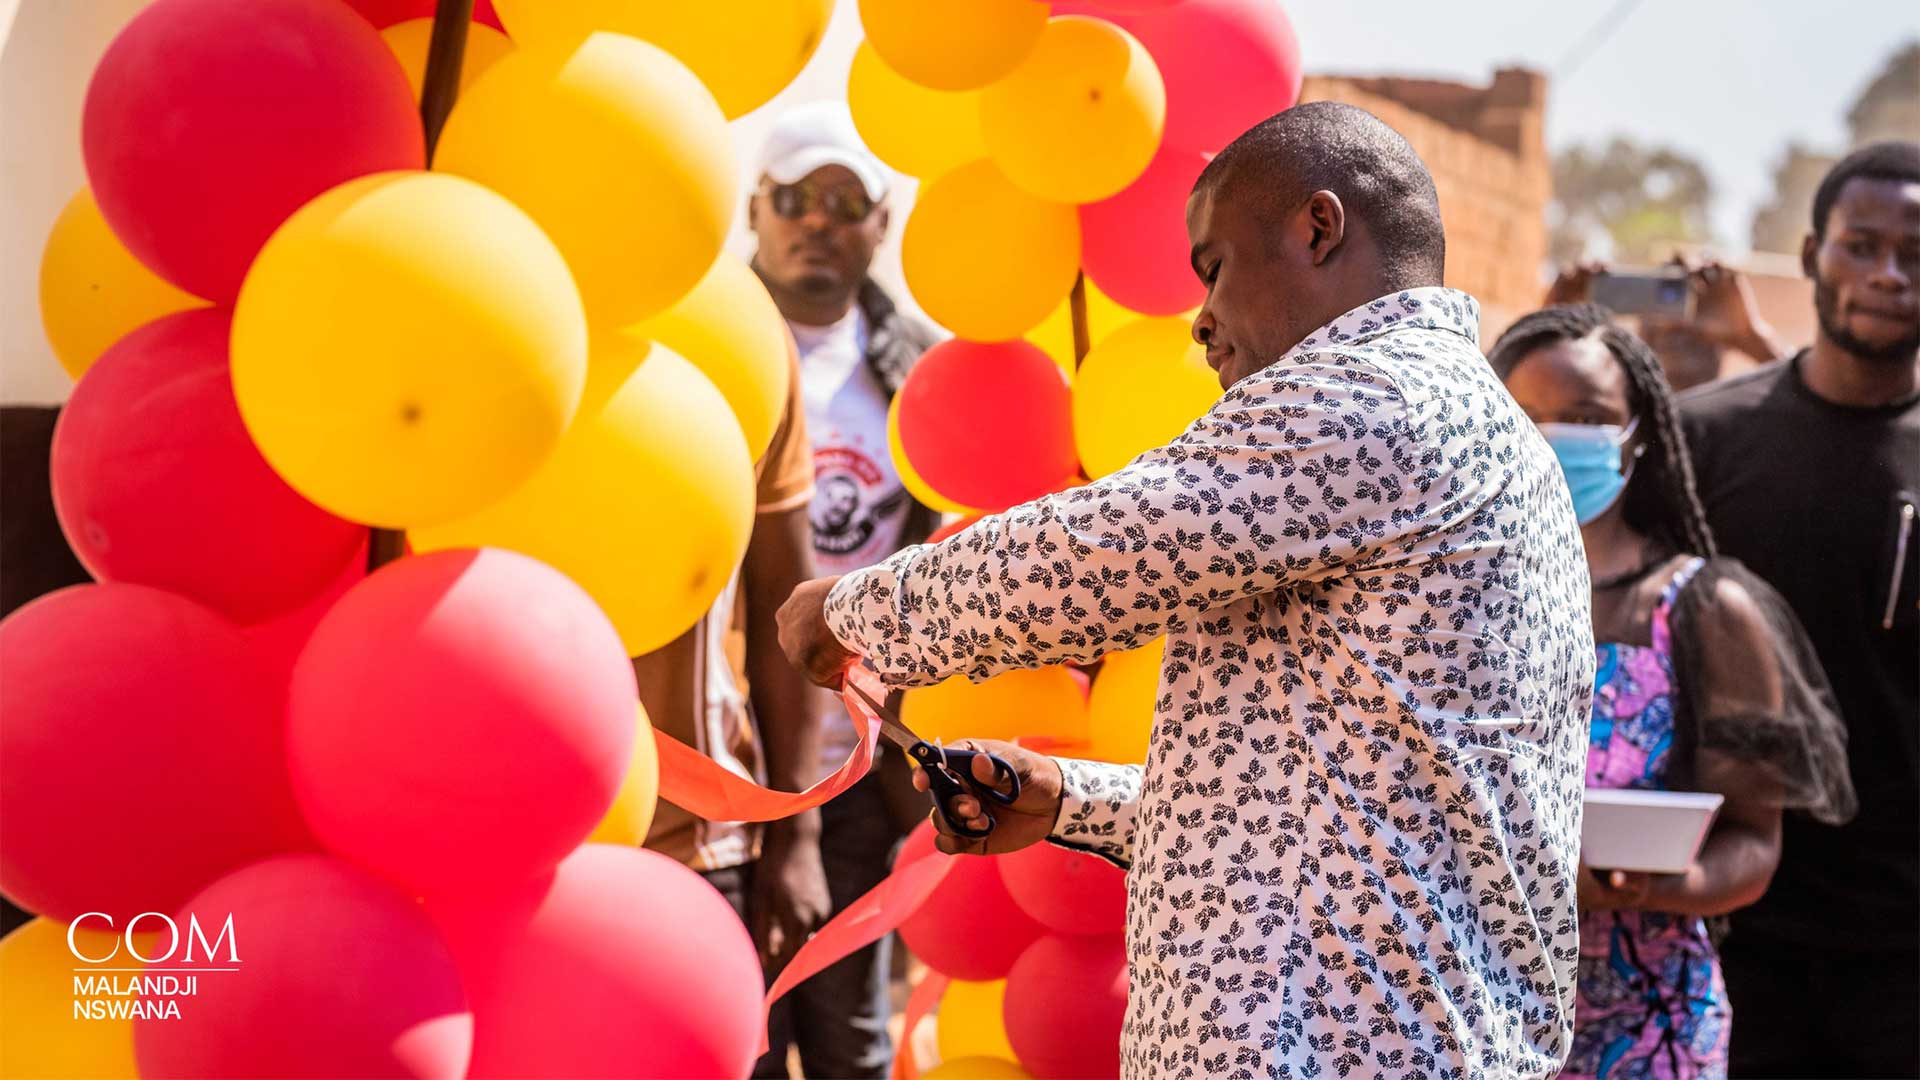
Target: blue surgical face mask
{"x":1590,"y":459}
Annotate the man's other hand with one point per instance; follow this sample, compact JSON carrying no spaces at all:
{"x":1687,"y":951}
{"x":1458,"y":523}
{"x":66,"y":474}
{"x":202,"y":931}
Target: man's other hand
{"x":805,"y":637}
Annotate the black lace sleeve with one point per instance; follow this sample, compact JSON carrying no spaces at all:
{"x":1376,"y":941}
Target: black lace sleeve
{"x":1752,"y":693}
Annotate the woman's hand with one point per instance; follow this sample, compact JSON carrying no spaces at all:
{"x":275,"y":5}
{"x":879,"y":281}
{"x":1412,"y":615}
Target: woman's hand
{"x":1612,"y":890}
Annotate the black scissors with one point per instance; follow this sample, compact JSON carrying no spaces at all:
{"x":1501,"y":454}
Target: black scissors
{"x":949,"y":771}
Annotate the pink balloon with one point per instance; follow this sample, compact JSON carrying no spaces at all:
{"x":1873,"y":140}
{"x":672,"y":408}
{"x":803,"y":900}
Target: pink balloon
{"x":988,"y":425}
{"x":460,"y":720}
{"x":208,"y":122}
{"x":619,"y":963}
{"x":1136,"y":5}
{"x":140,"y":753}
{"x":384,"y":13}
{"x":970,"y":928}
{"x":336,"y":973}
{"x":157,"y":482}
{"x":1066,"y":1001}
{"x":1134,"y":245}
{"x":1068,"y":892}
{"x":1228,"y":64}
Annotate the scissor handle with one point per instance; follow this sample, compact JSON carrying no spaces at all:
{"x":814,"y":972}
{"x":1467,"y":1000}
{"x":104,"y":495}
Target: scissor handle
{"x":950,"y":775}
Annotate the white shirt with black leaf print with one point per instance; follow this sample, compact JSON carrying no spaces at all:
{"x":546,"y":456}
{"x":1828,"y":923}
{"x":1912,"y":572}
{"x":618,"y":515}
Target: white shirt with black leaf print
{"x":1351,"y":851}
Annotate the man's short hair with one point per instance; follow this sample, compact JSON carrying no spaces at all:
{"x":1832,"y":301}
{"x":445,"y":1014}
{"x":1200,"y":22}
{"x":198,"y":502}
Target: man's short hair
{"x":1876,"y":161}
{"x":1331,"y":146}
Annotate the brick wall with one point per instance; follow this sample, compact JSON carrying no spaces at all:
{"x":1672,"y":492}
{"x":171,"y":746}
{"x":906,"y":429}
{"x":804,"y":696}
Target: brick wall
{"x":1486,"y":148}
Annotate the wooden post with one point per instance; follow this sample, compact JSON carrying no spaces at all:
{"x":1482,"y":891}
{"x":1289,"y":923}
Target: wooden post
{"x":441,"y":84}
{"x":1077,"y":307}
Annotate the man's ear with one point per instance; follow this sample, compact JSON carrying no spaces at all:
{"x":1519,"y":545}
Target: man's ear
{"x":1810,"y":257}
{"x":1326,"y":221}
{"x":753,"y":213}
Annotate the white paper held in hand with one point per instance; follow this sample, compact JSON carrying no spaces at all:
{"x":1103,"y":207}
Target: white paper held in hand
{"x":1657,"y":832}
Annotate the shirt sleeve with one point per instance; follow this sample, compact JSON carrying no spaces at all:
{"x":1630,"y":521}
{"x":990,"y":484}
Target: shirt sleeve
{"x":1097,"y":804}
{"x":1310,"y":469}
{"x":784,"y":474}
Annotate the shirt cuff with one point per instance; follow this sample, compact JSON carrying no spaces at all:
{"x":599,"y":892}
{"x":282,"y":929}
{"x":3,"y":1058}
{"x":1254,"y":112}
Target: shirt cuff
{"x":1097,"y":803}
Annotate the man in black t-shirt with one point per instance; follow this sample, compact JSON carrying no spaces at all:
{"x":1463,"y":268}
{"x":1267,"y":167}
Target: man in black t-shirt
{"x":1809,"y":470}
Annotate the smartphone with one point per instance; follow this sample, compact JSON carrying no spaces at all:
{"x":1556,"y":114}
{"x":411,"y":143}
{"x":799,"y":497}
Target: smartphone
{"x":1645,"y":292}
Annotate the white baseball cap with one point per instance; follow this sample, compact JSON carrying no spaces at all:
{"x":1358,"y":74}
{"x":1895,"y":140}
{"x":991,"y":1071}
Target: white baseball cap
{"x":815,"y":135}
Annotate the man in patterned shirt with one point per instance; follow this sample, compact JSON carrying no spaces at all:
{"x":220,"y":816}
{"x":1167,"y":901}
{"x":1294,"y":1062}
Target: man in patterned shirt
{"x":1352,"y":848}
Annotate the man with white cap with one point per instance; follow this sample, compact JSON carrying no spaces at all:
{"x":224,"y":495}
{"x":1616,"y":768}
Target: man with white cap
{"x":819,"y":213}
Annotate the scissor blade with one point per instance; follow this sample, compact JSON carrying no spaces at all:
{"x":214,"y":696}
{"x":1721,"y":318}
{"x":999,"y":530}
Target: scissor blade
{"x":890,"y":725}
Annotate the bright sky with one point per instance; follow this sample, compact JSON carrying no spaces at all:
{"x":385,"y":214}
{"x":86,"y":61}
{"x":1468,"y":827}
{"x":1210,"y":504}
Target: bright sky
{"x":1729,"y":81}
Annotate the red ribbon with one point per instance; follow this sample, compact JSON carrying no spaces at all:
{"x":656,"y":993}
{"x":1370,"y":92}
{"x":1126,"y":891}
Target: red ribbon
{"x":697,"y":784}
{"x":864,"y":922}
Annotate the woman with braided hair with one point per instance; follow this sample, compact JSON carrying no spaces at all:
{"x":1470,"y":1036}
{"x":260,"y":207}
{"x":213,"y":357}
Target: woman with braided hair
{"x":1705,"y":682}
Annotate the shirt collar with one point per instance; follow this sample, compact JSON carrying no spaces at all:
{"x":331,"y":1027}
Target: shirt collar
{"x":1431,"y":308}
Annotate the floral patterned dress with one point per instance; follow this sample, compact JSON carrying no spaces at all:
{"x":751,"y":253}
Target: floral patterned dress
{"x":1651,"y":1003}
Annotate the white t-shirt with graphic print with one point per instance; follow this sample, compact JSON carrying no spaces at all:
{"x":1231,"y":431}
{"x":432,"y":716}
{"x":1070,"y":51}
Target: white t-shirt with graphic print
{"x":859,"y":509}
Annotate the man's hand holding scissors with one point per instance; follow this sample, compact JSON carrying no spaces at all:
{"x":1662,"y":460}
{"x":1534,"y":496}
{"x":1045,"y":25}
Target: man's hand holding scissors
{"x":1025,"y":821}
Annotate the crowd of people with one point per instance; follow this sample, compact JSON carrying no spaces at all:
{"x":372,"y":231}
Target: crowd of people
{"x":1391,"y":671}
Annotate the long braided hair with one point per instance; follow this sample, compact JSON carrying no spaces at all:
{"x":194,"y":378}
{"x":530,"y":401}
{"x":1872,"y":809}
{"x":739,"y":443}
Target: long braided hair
{"x":1661,"y":501}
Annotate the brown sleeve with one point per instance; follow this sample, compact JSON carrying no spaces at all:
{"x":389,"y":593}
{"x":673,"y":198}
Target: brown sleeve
{"x":784,"y":474}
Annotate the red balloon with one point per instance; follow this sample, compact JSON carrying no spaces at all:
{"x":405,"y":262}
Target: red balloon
{"x":338,"y":974}
{"x":918,"y":844}
{"x":140,"y":753}
{"x":384,"y":13}
{"x":157,"y":482}
{"x":208,"y":122}
{"x":1228,"y":64}
{"x":1136,"y":5}
{"x":1134,"y":245}
{"x":1066,"y":1001}
{"x":1068,"y":892}
{"x":621,"y":962}
{"x":460,"y":720}
{"x":970,"y":928}
{"x":988,"y":425}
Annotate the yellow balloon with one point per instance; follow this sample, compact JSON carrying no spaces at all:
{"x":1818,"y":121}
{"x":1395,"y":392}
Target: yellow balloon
{"x":1044,"y":702}
{"x":93,"y":291}
{"x":910,"y":477}
{"x":970,"y":1024}
{"x":976,"y":1068}
{"x":39,"y":1036}
{"x":985,"y":259}
{"x":746,"y":51}
{"x":647,"y":504}
{"x":631,"y":814}
{"x":1055,"y":334}
{"x":619,"y":153}
{"x":408,"y":348}
{"x":917,"y":130}
{"x":953,"y":46}
{"x":1080,"y":119}
{"x":1139,"y":389}
{"x":408,"y":40}
{"x":1120,"y":723}
{"x":731,"y":330}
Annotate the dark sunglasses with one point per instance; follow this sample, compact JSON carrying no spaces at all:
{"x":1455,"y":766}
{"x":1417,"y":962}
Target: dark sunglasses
{"x":794,"y":201}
